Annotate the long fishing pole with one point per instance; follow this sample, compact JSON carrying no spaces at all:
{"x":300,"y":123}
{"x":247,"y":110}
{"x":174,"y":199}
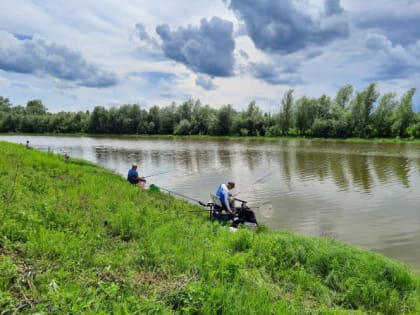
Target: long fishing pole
{"x":202,"y":210}
{"x":257,"y":181}
{"x":183,"y":196}
{"x":156,"y":174}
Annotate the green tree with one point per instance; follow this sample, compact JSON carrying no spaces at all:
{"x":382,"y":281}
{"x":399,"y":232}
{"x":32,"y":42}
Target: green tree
{"x":404,"y":114}
{"x":32,"y":123}
{"x":113,"y":121}
{"x":361,"y":111}
{"x":203,"y":119}
{"x":128,"y":119}
{"x":340,"y":120}
{"x":153,"y":120}
{"x":78,"y":122}
{"x":286,"y":112}
{"x":167,"y":119}
{"x":383,"y":116}
{"x":305,"y":114}
{"x":414,"y":129}
{"x":251,"y":120}
{"x":323,"y":128}
{"x":323,"y":107}
{"x":183,"y":127}
{"x":224,"y":120}
{"x":9,"y":122}
{"x":142,"y":122}
{"x":184,"y":111}
{"x":99,"y":122}
{"x":18,"y":110}
{"x":344,"y":96}
{"x":5,"y":104}
{"x":35,"y":107}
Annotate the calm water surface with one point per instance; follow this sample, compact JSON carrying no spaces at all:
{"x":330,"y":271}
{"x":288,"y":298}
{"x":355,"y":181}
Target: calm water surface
{"x":366,"y":194}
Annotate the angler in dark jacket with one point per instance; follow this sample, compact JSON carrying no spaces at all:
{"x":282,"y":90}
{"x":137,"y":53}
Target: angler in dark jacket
{"x":134,"y":178}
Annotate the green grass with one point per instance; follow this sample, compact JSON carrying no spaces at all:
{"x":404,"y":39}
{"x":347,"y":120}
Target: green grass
{"x":77,"y":239}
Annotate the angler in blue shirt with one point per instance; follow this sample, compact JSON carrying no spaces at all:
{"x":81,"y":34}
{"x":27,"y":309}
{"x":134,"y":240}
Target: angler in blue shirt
{"x":223,"y":194}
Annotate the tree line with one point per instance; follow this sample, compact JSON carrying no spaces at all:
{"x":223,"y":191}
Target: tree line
{"x":350,"y":113}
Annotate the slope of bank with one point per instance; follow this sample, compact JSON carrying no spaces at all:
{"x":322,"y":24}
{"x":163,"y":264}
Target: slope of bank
{"x":75,"y":238}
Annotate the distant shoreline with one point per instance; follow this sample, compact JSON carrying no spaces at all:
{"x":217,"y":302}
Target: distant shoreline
{"x":396,"y":140}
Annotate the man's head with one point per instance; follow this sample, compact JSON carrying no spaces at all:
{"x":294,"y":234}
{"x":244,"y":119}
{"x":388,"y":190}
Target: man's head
{"x":134,"y":166}
{"x":230,"y":185}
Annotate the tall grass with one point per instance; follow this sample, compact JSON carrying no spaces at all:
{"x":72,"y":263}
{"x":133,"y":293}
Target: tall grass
{"x":77,"y":239}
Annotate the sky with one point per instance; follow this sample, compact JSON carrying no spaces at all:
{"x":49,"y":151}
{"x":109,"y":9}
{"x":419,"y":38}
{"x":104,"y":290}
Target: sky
{"x":75,"y":55}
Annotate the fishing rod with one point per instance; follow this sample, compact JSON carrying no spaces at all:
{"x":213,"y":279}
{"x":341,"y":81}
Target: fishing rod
{"x":183,"y":196}
{"x":156,"y":174}
{"x":258,"y":180}
{"x":240,"y":200}
{"x":192,"y":199}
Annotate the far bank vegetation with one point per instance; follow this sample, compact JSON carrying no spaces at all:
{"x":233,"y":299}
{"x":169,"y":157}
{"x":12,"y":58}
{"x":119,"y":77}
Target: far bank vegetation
{"x":361,"y":114}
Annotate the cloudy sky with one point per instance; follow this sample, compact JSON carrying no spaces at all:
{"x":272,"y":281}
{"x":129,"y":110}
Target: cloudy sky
{"x":74,"y":55}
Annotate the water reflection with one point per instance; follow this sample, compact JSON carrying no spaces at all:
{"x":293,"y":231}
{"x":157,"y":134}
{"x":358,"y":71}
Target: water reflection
{"x":365,"y":194}
{"x":284,"y":162}
{"x":224,"y":158}
{"x":360,"y":172}
{"x":402,"y":170}
{"x":338,"y":173}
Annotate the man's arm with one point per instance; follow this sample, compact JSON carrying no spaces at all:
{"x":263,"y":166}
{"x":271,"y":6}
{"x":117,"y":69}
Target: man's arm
{"x":226,"y":197}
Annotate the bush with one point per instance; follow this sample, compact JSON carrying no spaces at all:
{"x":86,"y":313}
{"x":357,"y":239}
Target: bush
{"x":183,"y":128}
{"x":273,"y":131}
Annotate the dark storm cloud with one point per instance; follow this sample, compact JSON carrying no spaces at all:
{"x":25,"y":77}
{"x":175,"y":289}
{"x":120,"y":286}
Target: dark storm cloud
{"x":154,"y":77}
{"x":399,"y":29}
{"x":36,"y":56}
{"x":145,"y":37}
{"x":243,"y":54}
{"x":278,"y":26}
{"x":141,"y":32}
{"x":274,"y":74}
{"x":393,"y":61}
{"x":205,"y":49}
{"x":205,"y":82}
{"x":333,"y":7}
{"x":22,"y":36}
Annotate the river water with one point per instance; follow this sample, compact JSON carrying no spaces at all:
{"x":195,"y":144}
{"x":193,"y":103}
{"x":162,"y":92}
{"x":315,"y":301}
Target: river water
{"x":365,"y":194}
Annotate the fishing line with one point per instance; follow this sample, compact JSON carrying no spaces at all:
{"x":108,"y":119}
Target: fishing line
{"x":156,"y":174}
{"x":263,"y":177}
{"x":266,"y":209}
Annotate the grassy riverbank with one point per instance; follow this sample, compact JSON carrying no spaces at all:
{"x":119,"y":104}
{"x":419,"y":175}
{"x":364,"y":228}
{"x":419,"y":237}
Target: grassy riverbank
{"x":75,"y":238}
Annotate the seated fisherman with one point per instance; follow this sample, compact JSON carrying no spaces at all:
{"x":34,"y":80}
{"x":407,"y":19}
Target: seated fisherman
{"x":223,"y":192}
{"x":133,"y":176}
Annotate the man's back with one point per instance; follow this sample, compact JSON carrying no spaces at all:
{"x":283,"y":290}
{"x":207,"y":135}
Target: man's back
{"x":133,"y":176}
{"x":223,"y":193}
